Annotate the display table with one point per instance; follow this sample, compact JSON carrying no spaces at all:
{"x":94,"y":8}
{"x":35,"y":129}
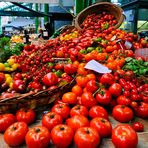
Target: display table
{"x":106,"y":142}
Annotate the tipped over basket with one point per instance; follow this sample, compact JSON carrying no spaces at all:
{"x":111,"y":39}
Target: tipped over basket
{"x":98,"y":8}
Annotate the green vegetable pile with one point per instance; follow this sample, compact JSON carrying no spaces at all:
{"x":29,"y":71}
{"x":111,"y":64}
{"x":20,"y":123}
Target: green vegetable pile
{"x":139,"y":67}
{"x":6,"y":50}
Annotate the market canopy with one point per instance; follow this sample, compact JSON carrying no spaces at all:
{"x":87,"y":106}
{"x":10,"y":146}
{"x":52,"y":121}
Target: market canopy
{"x":34,"y":1}
{"x":20,"y":22}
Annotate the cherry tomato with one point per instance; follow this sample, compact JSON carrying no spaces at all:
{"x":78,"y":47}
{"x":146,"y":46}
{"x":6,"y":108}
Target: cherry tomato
{"x":77,"y":121}
{"x":51,"y":119}
{"x":91,"y":76}
{"x":98,"y":111}
{"x":62,"y":135}
{"x":107,"y":78}
{"x":122,"y":113}
{"x":123,"y":136}
{"x":103,"y":97}
{"x":61,"y":109}
{"x":15,"y":133}
{"x":5,"y":121}
{"x":138,"y":126}
{"x":38,"y":136}
{"x":115,"y":89}
{"x":102,"y":125}
{"x":88,"y":100}
{"x":87,"y":137}
{"x":79,"y":110}
{"x":25,"y":115}
{"x":69,"y":98}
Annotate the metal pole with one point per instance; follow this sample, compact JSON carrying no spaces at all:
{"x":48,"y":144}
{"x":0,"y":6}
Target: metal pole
{"x":46,"y":10}
{"x":36,"y":19}
{"x":0,"y":24}
{"x":79,"y":5}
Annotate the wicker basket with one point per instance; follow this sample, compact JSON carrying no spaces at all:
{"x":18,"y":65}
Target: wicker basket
{"x":33,"y":100}
{"x":98,"y":8}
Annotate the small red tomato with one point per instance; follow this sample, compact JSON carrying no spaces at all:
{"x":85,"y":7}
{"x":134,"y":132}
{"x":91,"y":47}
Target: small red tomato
{"x":88,"y":100}
{"x":91,"y":86}
{"x":123,"y":136}
{"x":79,"y":110}
{"x":98,"y":111}
{"x":62,"y":135}
{"x":70,"y":69}
{"x":77,"y":90}
{"x":122,"y":113}
{"x":77,"y":121}
{"x":2,"y":78}
{"x":27,"y":116}
{"x":104,"y":97}
{"x":107,"y":78}
{"x":69,"y":98}
{"x":51,"y":119}
{"x":142,"y":110}
{"x":5,"y":121}
{"x":50,"y":79}
{"x":15,"y":133}
{"x":138,"y":126}
{"x":123,"y":100}
{"x":18,"y":85}
{"x":115,"y":89}
{"x":38,"y":137}
{"x":87,"y":137}
{"x":61,"y":109}
{"x":102,"y":125}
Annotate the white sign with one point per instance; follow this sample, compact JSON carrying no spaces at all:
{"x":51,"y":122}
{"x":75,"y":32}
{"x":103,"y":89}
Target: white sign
{"x":97,"y":67}
{"x":34,"y":1}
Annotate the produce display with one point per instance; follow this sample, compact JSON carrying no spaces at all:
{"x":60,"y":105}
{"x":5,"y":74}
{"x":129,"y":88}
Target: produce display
{"x":80,"y":115}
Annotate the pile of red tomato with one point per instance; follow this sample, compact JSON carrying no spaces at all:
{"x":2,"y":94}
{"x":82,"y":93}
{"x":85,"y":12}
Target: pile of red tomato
{"x":80,"y":116}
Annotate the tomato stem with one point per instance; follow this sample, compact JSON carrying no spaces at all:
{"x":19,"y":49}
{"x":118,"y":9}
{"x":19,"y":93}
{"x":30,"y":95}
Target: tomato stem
{"x":37,"y":130}
{"x":78,"y":107}
{"x":62,"y":128}
{"x":14,"y":128}
{"x":52,"y":116}
{"x":87,"y":132}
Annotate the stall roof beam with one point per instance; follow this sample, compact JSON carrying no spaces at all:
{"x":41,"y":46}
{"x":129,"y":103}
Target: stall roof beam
{"x":55,"y":16}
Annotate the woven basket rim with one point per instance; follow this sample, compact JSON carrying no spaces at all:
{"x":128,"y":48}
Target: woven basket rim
{"x":96,"y":4}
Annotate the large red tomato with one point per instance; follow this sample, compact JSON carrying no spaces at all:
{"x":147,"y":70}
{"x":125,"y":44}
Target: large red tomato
{"x":87,"y":137}
{"x":102,"y":125}
{"x":88,"y":100}
{"x":107,"y":78}
{"x":51,"y":119}
{"x":104,"y":97}
{"x":25,"y":115}
{"x":138,"y":126}
{"x":79,"y":110}
{"x":69,"y":98}
{"x":50,"y":79}
{"x":15,"y":134}
{"x":98,"y":111}
{"x":62,"y":135}
{"x":61,"y":109}
{"x":38,"y":137}
{"x":5,"y":121}
{"x":115,"y":89}
{"x":123,"y":136}
{"x":122,"y":113}
{"x":77,"y":121}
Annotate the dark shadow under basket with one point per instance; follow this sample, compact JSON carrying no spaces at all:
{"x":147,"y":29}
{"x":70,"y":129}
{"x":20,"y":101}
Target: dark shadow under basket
{"x":98,"y":8}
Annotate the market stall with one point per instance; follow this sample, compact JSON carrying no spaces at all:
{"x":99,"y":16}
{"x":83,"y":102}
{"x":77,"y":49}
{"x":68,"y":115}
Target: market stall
{"x":83,"y":87}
